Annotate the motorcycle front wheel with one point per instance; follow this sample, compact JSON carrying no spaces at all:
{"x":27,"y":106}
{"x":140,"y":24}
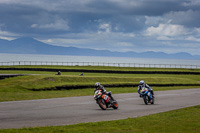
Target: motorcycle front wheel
{"x":145,"y":98}
{"x":102,"y":104}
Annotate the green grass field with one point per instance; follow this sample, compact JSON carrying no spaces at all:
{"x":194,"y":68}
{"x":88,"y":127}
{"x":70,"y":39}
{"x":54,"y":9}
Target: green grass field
{"x":20,"y":88}
{"x":183,"y":120}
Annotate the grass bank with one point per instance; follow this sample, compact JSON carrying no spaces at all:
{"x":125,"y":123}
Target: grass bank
{"x":20,"y":88}
{"x":16,"y":95}
{"x":177,"y":121}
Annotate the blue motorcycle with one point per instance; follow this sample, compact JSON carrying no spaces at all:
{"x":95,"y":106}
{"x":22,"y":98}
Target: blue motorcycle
{"x":147,"y":96}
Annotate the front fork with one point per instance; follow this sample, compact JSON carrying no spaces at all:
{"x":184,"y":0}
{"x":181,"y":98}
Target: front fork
{"x":149,"y":95}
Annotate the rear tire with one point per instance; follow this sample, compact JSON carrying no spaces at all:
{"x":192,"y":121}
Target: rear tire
{"x":115,"y":105}
{"x":102,"y":104}
{"x":152,"y":100}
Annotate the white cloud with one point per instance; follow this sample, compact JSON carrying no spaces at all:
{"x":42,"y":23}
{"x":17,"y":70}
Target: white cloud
{"x":6,"y":33}
{"x":113,"y":41}
{"x":192,"y":38}
{"x":189,"y":18}
{"x":7,"y":38}
{"x":105,"y":28}
{"x":197,"y":31}
{"x":65,"y":42}
{"x":192,"y":3}
{"x":166,"y":30}
{"x":57,"y":25}
{"x":51,"y":5}
{"x":164,"y":38}
{"x":125,"y":3}
{"x":9,"y":1}
{"x":130,"y":35}
{"x":124,"y":44}
{"x":154,"y":20}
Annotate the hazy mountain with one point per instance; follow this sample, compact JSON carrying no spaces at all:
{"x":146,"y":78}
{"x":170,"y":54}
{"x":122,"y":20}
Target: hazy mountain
{"x":27,"y":45}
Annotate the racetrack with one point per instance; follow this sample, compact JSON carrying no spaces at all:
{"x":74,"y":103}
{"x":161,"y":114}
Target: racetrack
{"x":72,"y":110}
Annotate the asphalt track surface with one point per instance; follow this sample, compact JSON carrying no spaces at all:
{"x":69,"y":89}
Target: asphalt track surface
{"x":73,"y":110}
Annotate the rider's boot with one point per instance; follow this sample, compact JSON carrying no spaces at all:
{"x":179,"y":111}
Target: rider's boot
{"x":152,"y":93}
{"x":111,"y":98}
{"x":109,"y":103}
{"x":150,"y":99}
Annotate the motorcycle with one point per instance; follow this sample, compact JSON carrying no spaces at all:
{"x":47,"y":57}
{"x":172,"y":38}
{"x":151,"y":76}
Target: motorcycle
{"x":104,"y":101}
{"x":147,"y":96}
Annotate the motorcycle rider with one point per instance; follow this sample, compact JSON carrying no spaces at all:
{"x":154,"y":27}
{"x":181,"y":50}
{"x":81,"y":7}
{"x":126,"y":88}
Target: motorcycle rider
{"x":98,"y":86}
{"x":143,"y":85}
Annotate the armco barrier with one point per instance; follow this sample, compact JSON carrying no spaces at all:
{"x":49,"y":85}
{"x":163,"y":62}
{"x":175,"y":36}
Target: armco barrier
{"x":51,"y":63}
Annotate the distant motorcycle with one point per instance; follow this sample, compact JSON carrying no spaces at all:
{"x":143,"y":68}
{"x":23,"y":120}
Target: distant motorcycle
{"x":147,"y":96}
{"x":104,"y":101}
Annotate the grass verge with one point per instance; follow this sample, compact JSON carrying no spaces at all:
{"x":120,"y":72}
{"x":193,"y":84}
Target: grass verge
{"x":16,"y":95}
{"x":19,"y":88}
{"x":177,"y":121}
{"x":47,"y":81}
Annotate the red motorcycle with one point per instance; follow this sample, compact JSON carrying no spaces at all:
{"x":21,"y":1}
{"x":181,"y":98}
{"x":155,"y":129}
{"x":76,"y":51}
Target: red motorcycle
{"x":104,"y":101}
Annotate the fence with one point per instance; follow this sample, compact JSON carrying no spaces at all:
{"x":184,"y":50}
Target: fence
{"x":14,"y":63}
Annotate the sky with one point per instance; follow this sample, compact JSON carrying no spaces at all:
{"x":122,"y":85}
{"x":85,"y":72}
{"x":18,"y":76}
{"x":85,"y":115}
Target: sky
{"x":169,"y":26}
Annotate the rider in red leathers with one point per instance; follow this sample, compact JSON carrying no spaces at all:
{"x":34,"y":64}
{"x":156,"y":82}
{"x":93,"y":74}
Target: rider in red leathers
{"x":98,"y":86}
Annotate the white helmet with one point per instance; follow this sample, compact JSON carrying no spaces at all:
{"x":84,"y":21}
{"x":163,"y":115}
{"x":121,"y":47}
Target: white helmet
{"x":142,"y":82}
{"x":97,"y":84}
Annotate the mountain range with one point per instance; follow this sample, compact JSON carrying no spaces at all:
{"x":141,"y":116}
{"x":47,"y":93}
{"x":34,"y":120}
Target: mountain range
{"x":28,"y":45}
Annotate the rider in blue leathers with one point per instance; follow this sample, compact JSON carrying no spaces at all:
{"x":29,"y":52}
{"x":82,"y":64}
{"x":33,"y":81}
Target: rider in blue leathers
{"x":143,"y":85}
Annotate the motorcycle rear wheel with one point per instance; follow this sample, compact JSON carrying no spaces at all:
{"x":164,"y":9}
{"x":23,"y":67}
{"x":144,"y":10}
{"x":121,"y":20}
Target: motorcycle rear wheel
{"x":153,"y":100}
{"x":115,"y":105}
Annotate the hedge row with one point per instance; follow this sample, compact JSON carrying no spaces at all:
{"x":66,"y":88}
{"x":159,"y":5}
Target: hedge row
{"x":69,"y":87}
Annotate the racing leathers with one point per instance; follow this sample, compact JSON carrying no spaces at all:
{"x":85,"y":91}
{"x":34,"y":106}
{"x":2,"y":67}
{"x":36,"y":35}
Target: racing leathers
{"x":101,"y":87}
{"x":140,"y":87}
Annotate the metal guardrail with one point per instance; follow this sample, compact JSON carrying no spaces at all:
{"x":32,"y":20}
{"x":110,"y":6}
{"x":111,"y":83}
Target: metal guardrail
{"x":15,"y":63}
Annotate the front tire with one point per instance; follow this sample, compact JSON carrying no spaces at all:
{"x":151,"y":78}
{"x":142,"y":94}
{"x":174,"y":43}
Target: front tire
{"x":102,"y":104}
{"x":145,"y":98}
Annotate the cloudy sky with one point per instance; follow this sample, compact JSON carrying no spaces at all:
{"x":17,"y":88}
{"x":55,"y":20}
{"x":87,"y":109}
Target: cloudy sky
{"x":168,"y":26}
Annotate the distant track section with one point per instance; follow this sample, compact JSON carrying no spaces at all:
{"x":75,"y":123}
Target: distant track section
{"x":3,"y":76}
{"x":102,"y":71}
